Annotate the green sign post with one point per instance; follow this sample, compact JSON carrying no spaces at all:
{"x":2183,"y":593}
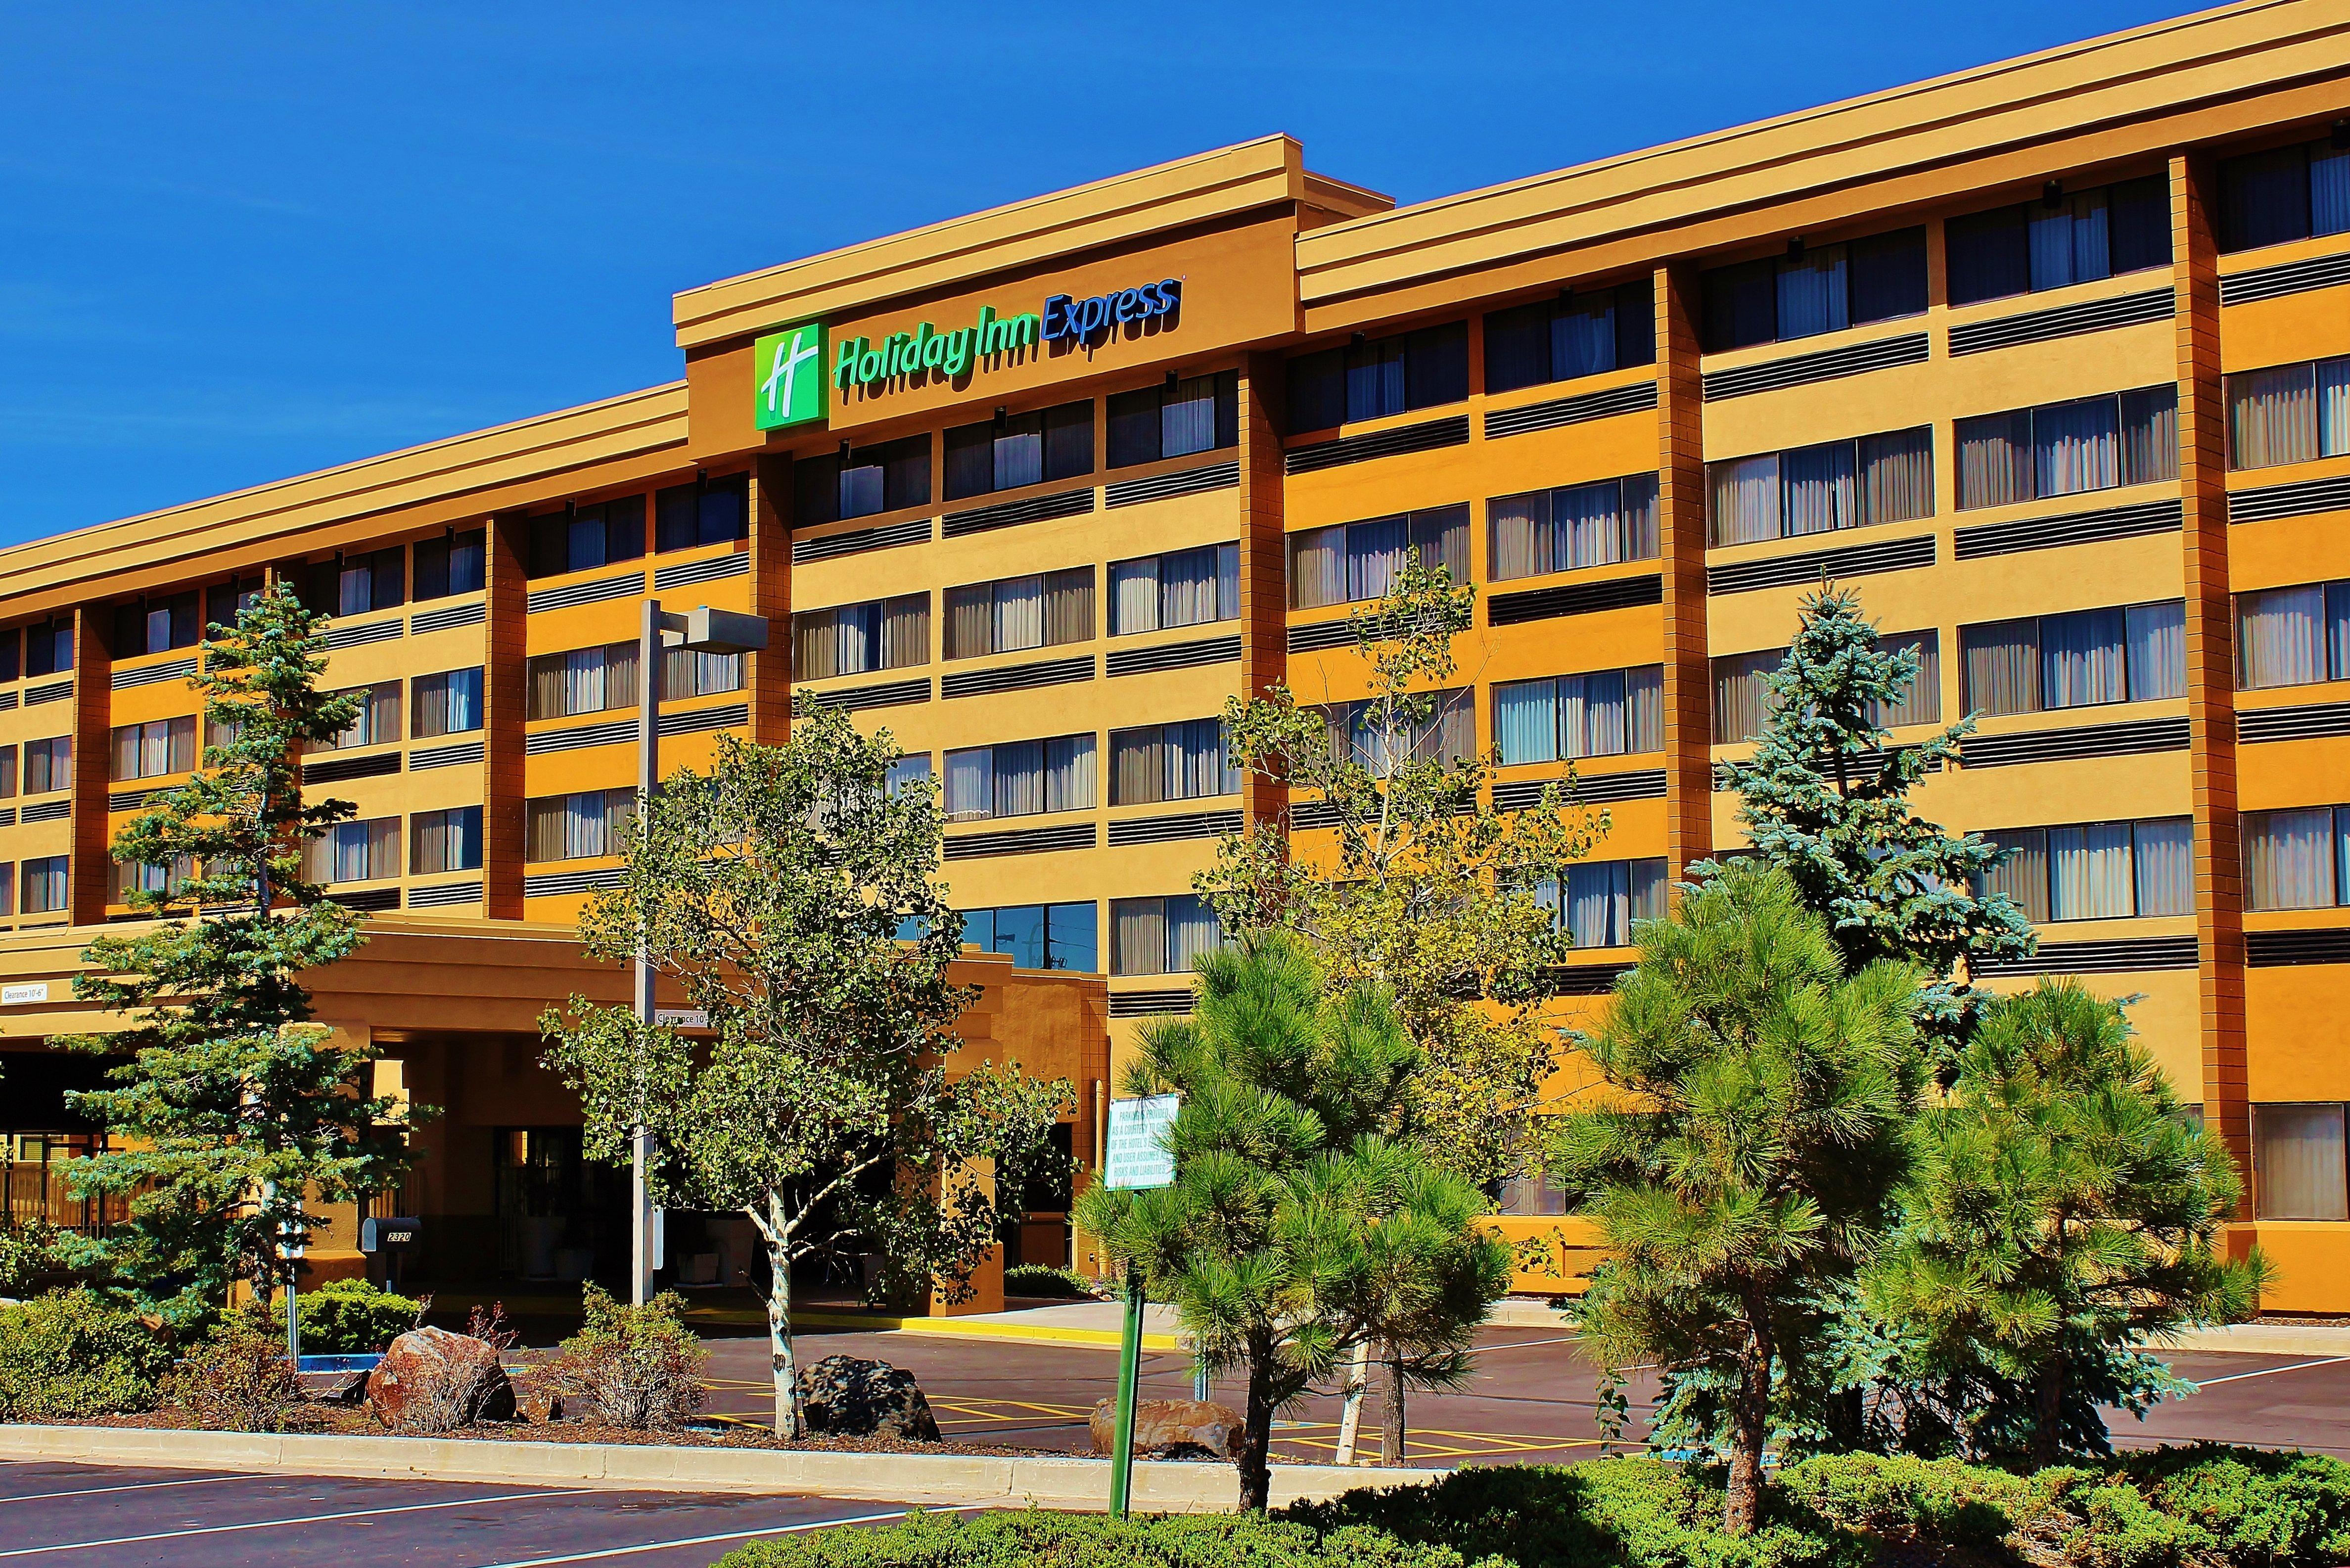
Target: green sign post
{"x":787,"y":376}
{"x":1137,"y":1157}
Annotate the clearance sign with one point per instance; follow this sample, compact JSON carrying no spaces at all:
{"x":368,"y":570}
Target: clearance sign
{"x":791,"y":378}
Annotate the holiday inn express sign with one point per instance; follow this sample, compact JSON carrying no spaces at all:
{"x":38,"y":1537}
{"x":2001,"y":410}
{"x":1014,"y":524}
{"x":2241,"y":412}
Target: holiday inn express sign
{"x":790,"y":376}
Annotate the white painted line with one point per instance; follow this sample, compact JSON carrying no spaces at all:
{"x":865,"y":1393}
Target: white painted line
{"x":1525,"y":1343}
{"x":142,"y":1486}
{"x":280,"y":1523}
{"x":2263,"y":1371}
{"x":712,"y":1539}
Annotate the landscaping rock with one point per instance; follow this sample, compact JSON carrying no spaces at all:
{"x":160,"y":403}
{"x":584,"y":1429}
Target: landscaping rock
{"x":1172,"y":1428}
{"x":431,"y":1380}
{"x":848,"y":1396}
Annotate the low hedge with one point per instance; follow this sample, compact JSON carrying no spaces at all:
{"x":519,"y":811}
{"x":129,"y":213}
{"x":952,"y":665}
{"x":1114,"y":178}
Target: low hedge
{"x":69,"y":1354}
{"x":1036,"y":1539}
{"x":1039,"y":1280}
{"x":347,"y":1317}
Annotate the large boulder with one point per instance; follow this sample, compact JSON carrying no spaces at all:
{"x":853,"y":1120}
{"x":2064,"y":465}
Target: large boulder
{"x":848,"y":1396}
{"x":1172,"y":1428}
{"x":431,"y":1380}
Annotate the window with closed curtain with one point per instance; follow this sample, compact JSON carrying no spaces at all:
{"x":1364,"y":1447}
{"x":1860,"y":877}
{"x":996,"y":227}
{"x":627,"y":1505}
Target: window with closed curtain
{"x":2096,"y":870}
{"x":578,"y":826}
{"x":152,"y":749}
{"x":2296,"y":859}
{"x":2051,"y":243}
{"x":2289,"y":413}
{"x":1013,"y":614}
{"x":1583,"y":333}
{"x":1032,"y":448}
{"x":1740,"y":697}
{"x":377,"y":724}
{"x":457,"y":563}
{"x":1020,"y":778}
{"x":850,"y":639}
{"x":1161,"y":936}
{"x":449,"y":703}
{"x":2289,"y":193}
{"x":714,"y":511}
{"x":1579,"y":525}
{"x":43,"y":883}
{"x":1814,"y":289}
{"x":1922,"y":703}
{"x":695,"y":673}
{"x":48,"y":765}
{"x":447,"y":840}
{"x":7,"y":772}
{"x":1181,"y":587}
{"x":2135,"y":653}
{"x":2293,"y":637}
{"x":2066,"y":449}
{"x":1597,"y":901}
{"x":583,"y":680}
{"x":131,"y":876}
{"x":2301,"y":1169}
{"x":1378,"y":376}
{"x":1183,"y":761}
{"x":356,"y":852}
{"x":1349,"y":562}
{"x":1609,"y":712}
{"x":1361,"y":734}
{"x":1886,"y":478}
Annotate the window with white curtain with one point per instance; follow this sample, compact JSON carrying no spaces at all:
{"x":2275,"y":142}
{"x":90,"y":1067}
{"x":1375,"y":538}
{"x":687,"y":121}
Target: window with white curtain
{"x":45,"y":884}
{"x":2298,"y":858}
{"x":1350,"y":561}
{"x":2068,"y":448}
{"x":1181,"y":587}
{"x":1161,"y":936}
{"x":449,"y":703}
{"x":907,"y":772}
{"x":578,"y":826}
{"x":1739,"y":698}
{"x":2299,"y":1168}
{"x":1605,"y":713}
{"x":1020,"y":778}
{"x":154,"y":748}
{"x":2132,"y":653}
{"x":583,"y":680}
{"x":1044,"y":609}
{"x":1038,"y":936}
{"x":2293,"y":637}
{"x":2289,"y":413}
{"x":137,"y":877}
{"x":1449,"y":734}
{"x":1598,"y":901}
{"x":698,"y":672}
{"x":2288,"y":194}
{"x":1185,"y":761}
{"x":377,"y":724}
{"x":1887,"y":478}
{"x":354,"y":852}
{"x":1575,"y":526}
{"x":2096,"y":870}
{"x":48,"y":765}
{"x":850,"y":639}
{"x":1922,"y":703}
{"x":447,"y":840}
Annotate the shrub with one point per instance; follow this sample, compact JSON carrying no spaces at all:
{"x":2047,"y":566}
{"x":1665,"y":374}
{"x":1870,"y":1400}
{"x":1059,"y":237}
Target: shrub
{"x":349,"y":1317}
{"x":1009,"y":1539}
{"x":68,"y":1355}
{"x":28,"y":1255}
{"x":238,"y":1380}
{"x":633,"y":1366}
{"x":1037,"y":1279}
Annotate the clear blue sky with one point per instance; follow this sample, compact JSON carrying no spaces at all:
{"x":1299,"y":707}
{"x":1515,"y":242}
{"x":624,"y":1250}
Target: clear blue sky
{"x":241,"y":242}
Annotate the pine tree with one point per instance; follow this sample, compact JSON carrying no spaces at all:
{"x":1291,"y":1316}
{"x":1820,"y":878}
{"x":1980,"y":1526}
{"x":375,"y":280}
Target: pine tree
{"x":1750,"y":1152}
{"x":1825,"y":799}
{"x":233,"y":1109}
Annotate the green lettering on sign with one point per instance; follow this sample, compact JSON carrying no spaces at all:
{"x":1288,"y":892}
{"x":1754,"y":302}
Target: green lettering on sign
{"x":787,"y":376}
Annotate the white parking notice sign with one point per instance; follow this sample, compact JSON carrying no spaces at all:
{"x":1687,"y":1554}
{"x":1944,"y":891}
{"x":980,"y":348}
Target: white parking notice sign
{"x":1136,"y":1155}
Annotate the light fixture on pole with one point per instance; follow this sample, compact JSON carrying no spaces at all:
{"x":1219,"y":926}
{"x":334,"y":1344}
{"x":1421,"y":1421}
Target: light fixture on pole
{"x":703,"y":630}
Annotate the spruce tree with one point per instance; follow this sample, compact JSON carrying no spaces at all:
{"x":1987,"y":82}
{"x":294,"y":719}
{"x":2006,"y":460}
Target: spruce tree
{"x":232,"y":1110}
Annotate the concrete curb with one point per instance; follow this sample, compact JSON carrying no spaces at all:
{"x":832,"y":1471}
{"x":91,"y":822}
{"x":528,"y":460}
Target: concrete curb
{"x":1159,"y":1486}
{"x":2261,"y":1339}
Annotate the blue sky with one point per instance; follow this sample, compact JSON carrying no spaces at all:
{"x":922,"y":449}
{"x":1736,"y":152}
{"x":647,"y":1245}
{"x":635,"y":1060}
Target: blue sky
{"x":238,"y":243}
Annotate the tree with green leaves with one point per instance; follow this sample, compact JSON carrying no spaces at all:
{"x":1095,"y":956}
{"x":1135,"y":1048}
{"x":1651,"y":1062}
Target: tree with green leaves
{"x":2062,"y":1211}
{"x":231,"y":1109}
{"x":1827,"y":800}
{"x":1748,"y":1145}
{"x":1425,"y":890}
{"x":791,"y":893}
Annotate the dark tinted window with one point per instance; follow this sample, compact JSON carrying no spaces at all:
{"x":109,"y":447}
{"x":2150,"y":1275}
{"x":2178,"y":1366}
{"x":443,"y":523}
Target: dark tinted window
{"x":1032,"y":448}
{"x":452,"y":564}
{"x":2067,"y":237}
{"x":1815,"y":289}
{"x":709,"y":512}
{"x":2288,"y":194}
{"x":879,"y":478}
{"x":1578,"y":334}
{"x":588,"y":536}
{"x":1378,"y":376}
{"x":1174,"y":418}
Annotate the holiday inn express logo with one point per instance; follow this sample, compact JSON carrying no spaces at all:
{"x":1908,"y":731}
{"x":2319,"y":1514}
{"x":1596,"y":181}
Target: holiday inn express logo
{"x":787,"y":376}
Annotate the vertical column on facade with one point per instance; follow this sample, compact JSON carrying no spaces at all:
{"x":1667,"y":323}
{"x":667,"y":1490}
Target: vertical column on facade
{"x":504,"y":684}
{"x":92,"y":866}
{"x":2210,"y":663}
{"x":1681,"y":531}
{"x":769,"y":677}
{"x":1264,"y":593}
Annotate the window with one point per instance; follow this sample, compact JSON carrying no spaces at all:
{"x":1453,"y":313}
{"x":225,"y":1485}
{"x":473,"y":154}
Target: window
{"x":1448,"y":735}
{"x":578,"y":826}
{"x":2063,"y":449}
{"x":354,"y":852}
{"x":1814,"y":289}
{"x":354,"y":584}
{"x":1739,"y":698}
{"x":1604,"y":715}
{"x":1161,"y":936}
{"x":136,"y":877}
{"x":1350,"y":561}
{"x":691,"y":672}
{"x":2297,"y":859}
{"x":49,"y":765}
{"x":1175,"y":419}
{"x":2290,"y":194}
{"x":1182,"y":588}
{"x":1922,"y":704}
{"x":2059,"y":240}
{"x":879,"y":634}
{"x":1598,"y":901}
{"x":227,"y":601}
{"x":2293,"y":637}
{"x":1381,"y":376}
{"x":1038,"y":936}
{"x":906,"y":770}
{"x":1817,"y":489}
{"x":1185,"y":761}
{"x":584,"y":537}
{"x":44,"y":882}
{"x":12,"y":646}
{"x":1020,"y":778}
{"x":714,"y":511}
{"x":449,"y":703}
{"x":1579,"y":525}
{"x":454,"y":564}
{"x":2136,"y":653}
{"x":1573,"y":334}
{"x":860,"y":482}
{"x":2292,"y":413}
{"x":583,"y":680}
{"x":7,"y":888}
{"x":2299,"y":1170}
{"x":153,"y":625}
{"x":1034,"y":448}
{"x":48,"y":646}
{"x":379,"y":720}
{"x":1015,"y":613}
{"x":445,"y":840}
{"x":7,"y":772}
{"x":156,"y":747}
{"x":2096,"y":870}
